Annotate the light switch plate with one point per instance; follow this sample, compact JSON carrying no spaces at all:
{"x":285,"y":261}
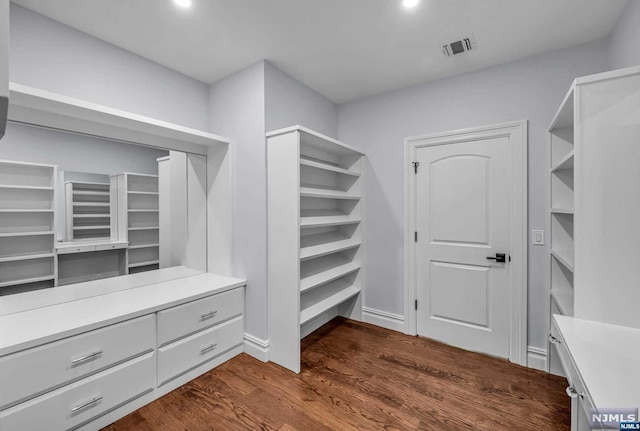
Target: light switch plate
{"x":538,"y":237}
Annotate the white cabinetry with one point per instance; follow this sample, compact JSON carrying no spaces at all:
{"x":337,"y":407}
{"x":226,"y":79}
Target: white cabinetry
{"x":88,"y":211}
{"x":593,"y":157}
{"x":27,"y":226}
{"x":315,"y":237}
{"x":138,"y":219}
{"x":88,"y":362}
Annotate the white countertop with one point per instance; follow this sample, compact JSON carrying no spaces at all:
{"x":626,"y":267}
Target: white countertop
{"x":607,"y":358}
{"x":10,"y":304}
{"x":26,"y":329}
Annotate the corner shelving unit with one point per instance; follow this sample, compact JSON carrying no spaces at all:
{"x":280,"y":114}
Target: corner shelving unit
{"x":27,"y":226}
{"x":88,"y":211}
{"x":138,"y":219}
{"x":315,"y":237}
{"x":593,"y":158}
{"x":560,"y":154}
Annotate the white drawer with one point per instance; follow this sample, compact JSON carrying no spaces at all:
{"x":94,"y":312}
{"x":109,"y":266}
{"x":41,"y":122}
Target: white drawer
{"x":184,"y":355}
{"x":76,"y":249}
{"x":102,"y":247}
{"x":78,"y":403}
{"x":573,"y":376}
{"x":31,"y":372}
{"x":186,"y":319}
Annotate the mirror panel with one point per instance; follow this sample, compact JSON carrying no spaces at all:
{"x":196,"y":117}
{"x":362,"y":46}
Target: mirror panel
{"x":76,"y":208}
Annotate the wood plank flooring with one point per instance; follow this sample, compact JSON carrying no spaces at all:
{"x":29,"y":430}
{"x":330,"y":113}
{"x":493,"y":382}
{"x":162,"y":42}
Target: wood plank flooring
{"x":357,"y":376}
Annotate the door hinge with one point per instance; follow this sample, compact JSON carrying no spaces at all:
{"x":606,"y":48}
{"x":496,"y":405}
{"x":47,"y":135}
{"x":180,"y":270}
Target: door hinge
{"x":416,"y":304}
{"x":415,"y":236}
{"x":415,"y":166}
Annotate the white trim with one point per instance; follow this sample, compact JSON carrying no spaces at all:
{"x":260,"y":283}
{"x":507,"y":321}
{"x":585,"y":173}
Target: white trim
{"x":518,"y":234}
{"x":537,"y":358}
{"x":256,"y":347}
{"x":392,"y":321}
{"x":42,"y":108}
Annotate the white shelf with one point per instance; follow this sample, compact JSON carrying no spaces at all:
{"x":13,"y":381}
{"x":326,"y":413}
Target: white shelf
{"x":19,"y":234}
{"x":144,"y":210}
{"x":148,"y":263}
{"x":26,"y":281}
{"x":313,"y":192}
{"x":105,"y":215}
{"x":327,"y":167}
{"x":566,"y":163}
{"x":327,"y":221}
{"x":569,"y":211}
{"x":100,"y":227}
{"x":321,"y":307}
{"x":144,"y":228}
{"x":91,"y":204}
{"x":19,"y":211}
{"x":323,"y":270}
{"x":317,"y":140}
{"x":131,"y":192}
{"x":21,"y":187}
{"x":140,"y":246}
{"x":89,"y":193}
{"x":25,"y":257}
{"x":564,"y":300}
{"x":325,"y":243}
{"x":565,"y":257}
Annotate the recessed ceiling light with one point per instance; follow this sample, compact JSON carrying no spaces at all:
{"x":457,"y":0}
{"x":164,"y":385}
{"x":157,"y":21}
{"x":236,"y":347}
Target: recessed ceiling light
{"x":410,"y":3}
{"x":183,"y":3}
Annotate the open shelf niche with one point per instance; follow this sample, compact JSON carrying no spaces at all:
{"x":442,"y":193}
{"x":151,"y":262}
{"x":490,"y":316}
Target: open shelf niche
{"x":88,"y":211}
{"x":27,"y":226}
{"x":315,"y":251}
{"x":138,"y":219}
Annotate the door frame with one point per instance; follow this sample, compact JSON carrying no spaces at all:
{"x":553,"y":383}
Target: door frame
{"x":517,"y":131}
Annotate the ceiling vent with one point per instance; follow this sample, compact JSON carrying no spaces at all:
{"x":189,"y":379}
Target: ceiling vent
{"x":467,"y":43}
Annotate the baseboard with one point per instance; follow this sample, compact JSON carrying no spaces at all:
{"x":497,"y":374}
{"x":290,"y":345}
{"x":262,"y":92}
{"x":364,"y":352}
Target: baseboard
{"x":536,"y":358}
{"x":392,"y":321}
{"x":256,"y":347}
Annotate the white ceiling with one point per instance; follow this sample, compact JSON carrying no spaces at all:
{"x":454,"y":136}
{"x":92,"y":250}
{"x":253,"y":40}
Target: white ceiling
{"x":344,"y":49}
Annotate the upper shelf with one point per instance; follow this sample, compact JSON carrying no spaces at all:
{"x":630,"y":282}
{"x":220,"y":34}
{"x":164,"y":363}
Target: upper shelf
{"x":42,"y":108}
{"x":314,"y":139}
{"x":565,"y":163}
{"x":564,"y":117}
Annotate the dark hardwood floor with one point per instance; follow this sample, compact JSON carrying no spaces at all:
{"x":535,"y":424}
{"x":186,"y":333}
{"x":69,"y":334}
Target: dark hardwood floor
{"x":360,"y":377}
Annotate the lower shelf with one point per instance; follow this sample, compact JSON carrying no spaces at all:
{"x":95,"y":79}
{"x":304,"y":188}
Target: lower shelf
{"x":139,"y":264}
{"x":332,"y":301}
{"x":26,"y":281}
{"x":564,"y":301}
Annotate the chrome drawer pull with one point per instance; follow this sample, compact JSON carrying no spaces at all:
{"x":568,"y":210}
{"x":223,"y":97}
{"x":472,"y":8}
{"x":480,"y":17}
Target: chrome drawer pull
{"x":573,"y":393}
{"x":209,"y":315}
{"x":85,"y":405}
{"x":554,"y":340}
{"x":86,"y":358}
{"x":208,"y":348}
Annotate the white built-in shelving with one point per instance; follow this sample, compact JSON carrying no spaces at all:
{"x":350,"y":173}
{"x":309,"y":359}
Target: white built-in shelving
{"x":138,"y":219}
{"x":27,"y":226}
{"x":315,"y":237}
{"x":592,"y":160}
{"x":88,"y":211}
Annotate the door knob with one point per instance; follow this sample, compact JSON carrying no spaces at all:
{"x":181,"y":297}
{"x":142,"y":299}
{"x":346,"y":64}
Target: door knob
{"x":500,"y":257}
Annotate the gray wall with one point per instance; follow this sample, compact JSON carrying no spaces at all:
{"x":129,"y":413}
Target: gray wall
{"x":75,"y":152}
{"x":237,"y":111}
{"x":624,"y":42}
{"x":530,"y":89}
{"x":54,"y":57}
{"x":289,"y":103}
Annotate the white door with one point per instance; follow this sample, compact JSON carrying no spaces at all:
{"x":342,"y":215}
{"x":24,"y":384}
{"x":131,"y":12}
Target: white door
{"x":462,"y":219}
